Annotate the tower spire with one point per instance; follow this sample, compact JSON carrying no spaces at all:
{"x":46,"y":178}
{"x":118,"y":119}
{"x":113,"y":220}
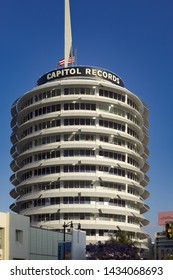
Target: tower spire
{"x":67,"y":34}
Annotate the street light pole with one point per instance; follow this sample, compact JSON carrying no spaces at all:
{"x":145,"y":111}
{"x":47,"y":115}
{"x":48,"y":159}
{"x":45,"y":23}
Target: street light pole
{"x":65,"y":225}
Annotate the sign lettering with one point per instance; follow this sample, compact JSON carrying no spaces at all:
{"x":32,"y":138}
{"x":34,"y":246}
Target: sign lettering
{"x":81,"y":72}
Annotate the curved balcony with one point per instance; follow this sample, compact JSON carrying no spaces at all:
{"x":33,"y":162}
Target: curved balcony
{"x":14,"y":180}
{"x":145,"y":194}
{"x":13,"y":166}
{"x":14,"y":207}
{"x":14,"y":108}
{"x":13,"y":193}
{"x":14,"y":138}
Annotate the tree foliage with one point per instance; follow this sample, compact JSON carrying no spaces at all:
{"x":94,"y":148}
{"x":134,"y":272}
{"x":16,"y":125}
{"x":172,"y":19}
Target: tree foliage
{"x":119,"y":248}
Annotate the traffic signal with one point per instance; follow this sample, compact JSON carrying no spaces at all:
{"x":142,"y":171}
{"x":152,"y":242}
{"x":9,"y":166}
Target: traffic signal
{"x":168,"y":230}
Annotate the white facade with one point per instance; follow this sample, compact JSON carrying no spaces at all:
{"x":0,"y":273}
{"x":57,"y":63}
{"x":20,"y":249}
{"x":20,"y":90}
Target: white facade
{"x":78,"y":250}
{"x":79,"y":154}
{"x":14,"y":237}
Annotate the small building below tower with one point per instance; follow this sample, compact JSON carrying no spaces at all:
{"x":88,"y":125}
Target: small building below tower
{"x":20,"y":241}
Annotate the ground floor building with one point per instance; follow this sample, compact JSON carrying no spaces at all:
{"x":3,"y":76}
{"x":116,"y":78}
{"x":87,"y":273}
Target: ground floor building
{"x":20,"y":241}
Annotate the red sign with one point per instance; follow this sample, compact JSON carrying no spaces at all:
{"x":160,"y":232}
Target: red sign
{"x":165,"y":217}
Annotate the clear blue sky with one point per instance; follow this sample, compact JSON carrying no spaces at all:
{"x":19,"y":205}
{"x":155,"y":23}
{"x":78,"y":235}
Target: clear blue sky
{"x":132,"y":38}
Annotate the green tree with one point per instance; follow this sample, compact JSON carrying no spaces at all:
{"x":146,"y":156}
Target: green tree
{"x":121,"y":237}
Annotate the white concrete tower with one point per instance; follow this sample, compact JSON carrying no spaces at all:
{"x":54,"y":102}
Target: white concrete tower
{"x":79,"y":153}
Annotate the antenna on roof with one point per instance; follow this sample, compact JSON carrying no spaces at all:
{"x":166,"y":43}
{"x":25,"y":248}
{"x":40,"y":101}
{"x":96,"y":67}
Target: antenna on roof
{"x":67,"y":34}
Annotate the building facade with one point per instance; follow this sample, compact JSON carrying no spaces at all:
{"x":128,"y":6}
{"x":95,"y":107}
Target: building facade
{"x":14,"y":237}
{"x":21,"y":241}
{"x":80,"y":154}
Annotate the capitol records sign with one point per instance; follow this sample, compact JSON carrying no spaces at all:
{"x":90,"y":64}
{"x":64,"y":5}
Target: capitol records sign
{"x":80,"y":72}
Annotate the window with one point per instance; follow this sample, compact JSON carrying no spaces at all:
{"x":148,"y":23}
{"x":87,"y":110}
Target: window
{"x":79,"y":168}
{"x":19,"y":236}
{"x":101,"y":200}
{"x":117,"y":202}
{"x":132,"y":104}
{"x":111,"y":170}
{"x":132,"y":132}
{"x":112,"y":125}
{"x":93,"y":232}
{"x":113,"y":95}
{"x":80,"y":152}
{"x":115,"y":156}
{"x":77,"y":121}
{"x":76,"y":200}
{"x":88,"y":91}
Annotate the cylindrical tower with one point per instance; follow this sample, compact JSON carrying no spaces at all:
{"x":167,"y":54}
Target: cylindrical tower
{"x":79,"y":154}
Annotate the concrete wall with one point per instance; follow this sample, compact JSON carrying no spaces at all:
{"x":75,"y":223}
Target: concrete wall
{"x":16,"y":236}
{"x":4,"y":226}
{"x":44,"y":243}
{"x":19,"y":237}
{"x":78,"y":245}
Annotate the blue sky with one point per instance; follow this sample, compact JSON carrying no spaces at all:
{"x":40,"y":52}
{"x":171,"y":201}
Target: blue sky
{"x":133,"y":39}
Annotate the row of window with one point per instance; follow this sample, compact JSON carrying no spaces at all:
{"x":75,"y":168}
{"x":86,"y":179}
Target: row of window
{"x":41,"y":172}
{"x":41,"y":156}
{"x":81,"y":152}
{"x":133,"y":190}
{"x":85,"y":216}
{"x":132,"y":118}
{"x":107,"y":233}
{"x":40,"y":126}
{"x":113,"y":125}
{"x":78,"y":106}
{"x":119,"y":142}
{"x":46,"y":140}
{"x":111,"y":109}
{"x":47,"y":110}
{"x":116,"y":156}
{"x":132,"y":132}
{"x":40,"y":187}
{"x":40,"y":96}
{"x":41,"y":141}
{"x":44,"y":202}
{"x":132,"y":104}
{"x":41,"y":111}
{"x":132,"y":162}
{"x":133,"y":220}
{"x":77,"y":200}
{"x":78,"y":153}
{"x":110,"y":217}
{"x":79,"y":168}
{"x":79,"y":90}
{"x":78,"y":122}
{"x":78,"y":184}
{"x":79,"y":137}
{"x":111,"y":94}
{"x":93,"y":184}
{"x":55,"y":108}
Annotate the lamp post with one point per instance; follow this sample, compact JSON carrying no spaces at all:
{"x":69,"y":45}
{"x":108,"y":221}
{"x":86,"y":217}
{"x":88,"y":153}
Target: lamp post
{"x":65,"y":225}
